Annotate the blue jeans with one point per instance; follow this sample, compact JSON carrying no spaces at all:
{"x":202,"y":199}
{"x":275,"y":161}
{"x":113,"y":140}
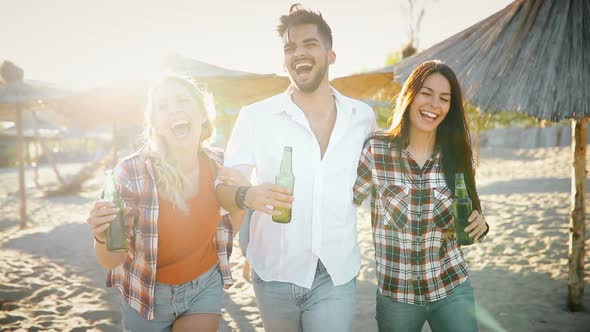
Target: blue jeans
{"x":244,"y":237}
{"x":454,"y":313}
{"x":285,"y":307}
{"x":202,"y":295}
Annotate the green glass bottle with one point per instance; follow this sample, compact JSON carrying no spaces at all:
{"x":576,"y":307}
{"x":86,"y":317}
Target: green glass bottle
{"x":462,"y":207}
{"x":287,"y":180}
{"x":116,"y":234}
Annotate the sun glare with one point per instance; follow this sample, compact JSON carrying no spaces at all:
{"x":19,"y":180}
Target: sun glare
{"x":106,"y":68}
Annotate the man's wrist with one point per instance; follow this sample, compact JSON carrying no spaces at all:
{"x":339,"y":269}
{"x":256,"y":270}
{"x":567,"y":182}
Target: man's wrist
{"x":240,"y":197}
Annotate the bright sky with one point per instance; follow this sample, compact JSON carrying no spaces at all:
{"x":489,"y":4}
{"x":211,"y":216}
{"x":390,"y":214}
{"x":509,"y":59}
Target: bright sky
{"x":87,"y":43}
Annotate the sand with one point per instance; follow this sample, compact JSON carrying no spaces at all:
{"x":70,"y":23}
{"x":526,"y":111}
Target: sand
{"x":51,"y":282}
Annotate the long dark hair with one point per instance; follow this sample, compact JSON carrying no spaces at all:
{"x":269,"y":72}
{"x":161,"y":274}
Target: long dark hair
{"x":452,"y":135}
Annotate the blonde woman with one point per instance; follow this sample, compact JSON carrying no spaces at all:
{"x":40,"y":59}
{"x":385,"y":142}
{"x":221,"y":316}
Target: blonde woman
{"x":172,"y":275}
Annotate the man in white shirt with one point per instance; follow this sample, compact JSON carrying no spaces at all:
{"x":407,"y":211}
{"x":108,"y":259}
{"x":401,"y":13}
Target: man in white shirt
{"x":304,"y":272}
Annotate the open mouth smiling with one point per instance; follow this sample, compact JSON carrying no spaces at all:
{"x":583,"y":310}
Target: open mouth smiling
{"x":429,"y":115}
{"x":303,"y":67}
{"x":180,"y":128}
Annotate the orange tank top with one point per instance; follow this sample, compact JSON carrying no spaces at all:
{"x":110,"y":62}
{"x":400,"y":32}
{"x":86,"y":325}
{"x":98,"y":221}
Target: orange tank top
{"x":186,"y":244}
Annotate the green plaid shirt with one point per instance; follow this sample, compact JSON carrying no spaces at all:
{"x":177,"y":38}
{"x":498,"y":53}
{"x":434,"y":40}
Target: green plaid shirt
{"x":411,"y":216}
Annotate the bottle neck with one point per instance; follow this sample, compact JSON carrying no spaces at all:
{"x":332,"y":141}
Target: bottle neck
{"x":286,"y":167}
{"x":461,"y":192}
{"x":110,"y":192}
{"x":460,"y":187}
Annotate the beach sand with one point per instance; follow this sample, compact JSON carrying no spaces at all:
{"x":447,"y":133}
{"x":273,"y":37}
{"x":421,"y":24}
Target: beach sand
{"x":50,"y":280}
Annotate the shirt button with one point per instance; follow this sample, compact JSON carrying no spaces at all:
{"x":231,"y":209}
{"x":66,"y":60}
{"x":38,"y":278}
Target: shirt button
{"x":417,"y":277}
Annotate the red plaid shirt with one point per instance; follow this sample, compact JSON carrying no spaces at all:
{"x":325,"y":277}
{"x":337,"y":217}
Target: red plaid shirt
{"x":411,"y":215}
{"x":136,"y":277}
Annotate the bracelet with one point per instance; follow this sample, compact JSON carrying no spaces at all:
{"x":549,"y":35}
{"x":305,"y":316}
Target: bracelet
{"x":240,"y":197}
{"x":97,"y":240}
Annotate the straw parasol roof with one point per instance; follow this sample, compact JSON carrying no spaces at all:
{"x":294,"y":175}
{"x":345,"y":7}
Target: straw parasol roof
{"x":30,"y":94}
{"x":125,"y":103}
{"x":242,"y":88}
{"x":532,"y":56}
{"x":374,"y":87}
{"x":232,"y":89}
{"x":195,"y":68}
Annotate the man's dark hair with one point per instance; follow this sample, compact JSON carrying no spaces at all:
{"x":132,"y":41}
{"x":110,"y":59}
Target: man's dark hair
{"x":299,"y":15}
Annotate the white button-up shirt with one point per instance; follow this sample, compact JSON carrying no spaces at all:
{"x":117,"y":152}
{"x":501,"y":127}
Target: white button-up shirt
{"x":323,"y":222}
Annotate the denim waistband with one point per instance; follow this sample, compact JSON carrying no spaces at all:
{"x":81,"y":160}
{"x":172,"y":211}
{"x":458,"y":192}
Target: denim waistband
{"x":192,"y":283}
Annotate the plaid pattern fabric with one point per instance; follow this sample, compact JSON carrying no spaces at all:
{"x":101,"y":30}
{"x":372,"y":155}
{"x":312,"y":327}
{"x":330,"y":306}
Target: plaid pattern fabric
{"x":136,"y":277}
{"x":411,"y":215}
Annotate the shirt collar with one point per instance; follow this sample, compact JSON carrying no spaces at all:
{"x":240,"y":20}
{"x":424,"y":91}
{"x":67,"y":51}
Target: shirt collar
{"x":288,"y":106}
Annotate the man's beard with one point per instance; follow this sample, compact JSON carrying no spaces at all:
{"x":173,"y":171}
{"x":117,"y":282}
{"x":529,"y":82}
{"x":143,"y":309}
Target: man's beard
{"x":314,"y":83}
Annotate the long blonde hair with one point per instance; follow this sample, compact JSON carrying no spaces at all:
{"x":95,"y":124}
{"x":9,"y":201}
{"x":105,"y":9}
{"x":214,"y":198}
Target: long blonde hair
{"x":170,"y":179}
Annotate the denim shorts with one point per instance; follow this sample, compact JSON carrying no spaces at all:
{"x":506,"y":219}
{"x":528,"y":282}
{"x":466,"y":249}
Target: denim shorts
{"x":202,"y":295}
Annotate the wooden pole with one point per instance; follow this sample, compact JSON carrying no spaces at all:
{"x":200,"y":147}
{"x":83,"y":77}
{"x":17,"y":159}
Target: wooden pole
{"x":37,"y":153}
{"x":20,"y":151}
{"x":48,"y":153}
{"x":577,"y":229}
{"x":27,"y":152}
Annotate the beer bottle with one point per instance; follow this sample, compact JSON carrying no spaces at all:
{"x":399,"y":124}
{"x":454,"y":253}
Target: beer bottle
{"x":116,"y":234}
{"x":462,"y":208}
{"x":287,"y":180}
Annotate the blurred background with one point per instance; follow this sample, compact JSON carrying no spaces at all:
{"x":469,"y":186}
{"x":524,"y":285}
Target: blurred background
{"x":74,"y":76}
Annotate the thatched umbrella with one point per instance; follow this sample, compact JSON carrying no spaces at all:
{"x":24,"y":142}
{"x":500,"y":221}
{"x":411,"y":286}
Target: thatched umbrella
{"x":371,"y":86}
{"x":124,"y":102}
{"x":238,"y":88}
{"x":533,"y":57}
{"x":15,"y":96}
{"x":232,"y":89}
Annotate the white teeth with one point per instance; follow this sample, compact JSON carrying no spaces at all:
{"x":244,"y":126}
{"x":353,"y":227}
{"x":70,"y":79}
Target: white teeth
{"x":429,"y":114}
{"x":302,"y":64}
{"x":181,"y":122}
